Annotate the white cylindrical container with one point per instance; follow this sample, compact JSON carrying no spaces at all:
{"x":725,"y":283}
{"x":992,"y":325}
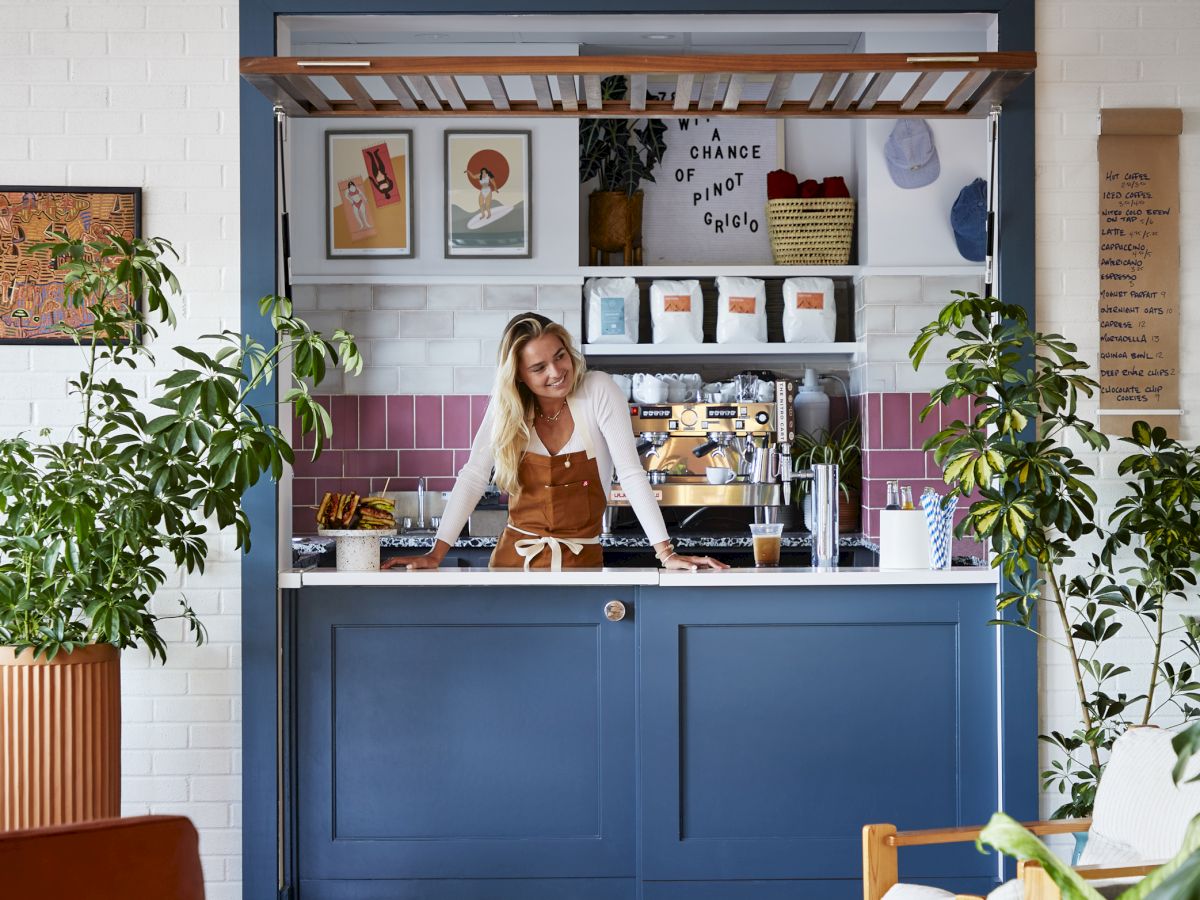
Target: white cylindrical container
{"x":903,"y":539}
{"x":811,"y":406}
{"x":357,"y":549}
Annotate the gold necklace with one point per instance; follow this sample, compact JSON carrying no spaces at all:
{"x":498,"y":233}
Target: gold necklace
{"x":553,"y":418}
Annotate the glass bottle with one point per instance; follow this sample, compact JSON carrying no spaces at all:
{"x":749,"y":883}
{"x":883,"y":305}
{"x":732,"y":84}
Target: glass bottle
{"x":893,"y":495}
{"x":906,"y":498}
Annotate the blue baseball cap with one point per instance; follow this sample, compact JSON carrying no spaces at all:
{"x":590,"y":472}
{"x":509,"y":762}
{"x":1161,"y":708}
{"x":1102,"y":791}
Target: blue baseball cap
{"x":968,"y":218}
{"x":912,"y":158}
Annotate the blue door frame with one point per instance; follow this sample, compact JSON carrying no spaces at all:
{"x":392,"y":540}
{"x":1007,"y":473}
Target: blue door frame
{"x":261,"y":795}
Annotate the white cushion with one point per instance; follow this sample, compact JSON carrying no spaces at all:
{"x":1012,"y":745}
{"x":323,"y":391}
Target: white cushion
{"x":1010,"y":890}
{"x":1140,"y":815}
{"x":916,"y":892}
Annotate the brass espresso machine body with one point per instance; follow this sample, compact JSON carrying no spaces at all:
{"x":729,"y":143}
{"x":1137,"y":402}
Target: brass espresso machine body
{"x":677,"y":442}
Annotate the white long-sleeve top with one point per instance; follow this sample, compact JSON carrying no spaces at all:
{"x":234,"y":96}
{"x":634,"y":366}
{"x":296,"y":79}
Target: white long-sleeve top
{"x":601,"y":408}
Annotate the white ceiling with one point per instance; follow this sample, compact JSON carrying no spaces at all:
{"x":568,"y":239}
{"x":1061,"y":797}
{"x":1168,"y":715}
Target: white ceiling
{"x":597,"y":34}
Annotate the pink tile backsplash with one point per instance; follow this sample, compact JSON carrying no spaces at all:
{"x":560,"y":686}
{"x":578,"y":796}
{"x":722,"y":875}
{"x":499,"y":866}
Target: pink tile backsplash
{"x":897,"y":422}
{"x":385,"y":441}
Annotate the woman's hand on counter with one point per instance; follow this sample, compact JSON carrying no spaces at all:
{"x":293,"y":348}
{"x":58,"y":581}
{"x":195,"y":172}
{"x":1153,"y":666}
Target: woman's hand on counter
{"x":694,"y":563}
{"x":430,"y":560}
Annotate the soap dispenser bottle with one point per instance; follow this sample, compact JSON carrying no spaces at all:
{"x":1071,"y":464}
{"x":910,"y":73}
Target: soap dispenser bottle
{"x":811,"y":406}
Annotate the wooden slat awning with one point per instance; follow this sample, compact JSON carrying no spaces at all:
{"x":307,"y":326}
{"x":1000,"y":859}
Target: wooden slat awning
{"x":971,"y":83}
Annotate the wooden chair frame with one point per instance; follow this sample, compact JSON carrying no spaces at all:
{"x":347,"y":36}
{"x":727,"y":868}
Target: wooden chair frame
{"x":881,"y":843}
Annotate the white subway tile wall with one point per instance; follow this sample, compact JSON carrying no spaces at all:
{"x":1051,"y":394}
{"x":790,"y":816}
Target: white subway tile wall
{"x":146,"y":95}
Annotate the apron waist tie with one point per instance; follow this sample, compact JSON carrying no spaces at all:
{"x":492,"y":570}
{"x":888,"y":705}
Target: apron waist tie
{"x":529,"y":548}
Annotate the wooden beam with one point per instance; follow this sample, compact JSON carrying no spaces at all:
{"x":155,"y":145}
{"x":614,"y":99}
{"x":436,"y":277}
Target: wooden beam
{"x":878,"y":84}
{"x":541,"y":91}
{"x":450,"y":91}
{"x":779,"y":89}
{"x":427,"y":94}
{"x":750,"y":63}
{"x":308,"y":90}
{"x":733,"y":91}
{"x":637,"y":92}
{"x":820,"y":96}
{"x":683,"y":91}
{"x":920,"y":88}
{"x":708,"y":90}
{"x":994,"y":89}
{"x":400,"y":90}
{"x":357,"y":92}
{"x":969,"y":84}
{"x":276,"y":89}
{"x":591,"y":90}
{"x":566,"y":91}
{"x":849,"y":90}
{"x":495,"y":87}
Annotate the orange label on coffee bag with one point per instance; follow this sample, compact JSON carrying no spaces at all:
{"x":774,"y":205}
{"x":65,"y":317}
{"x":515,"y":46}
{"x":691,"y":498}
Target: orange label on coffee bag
{"x":742,"y":305}
{"x":810,"y":301}
{"x":677,"y":303}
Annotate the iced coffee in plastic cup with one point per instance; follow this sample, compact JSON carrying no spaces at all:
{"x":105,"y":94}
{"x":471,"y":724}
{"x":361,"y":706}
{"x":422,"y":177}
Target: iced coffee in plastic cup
{"x":767,"y":541}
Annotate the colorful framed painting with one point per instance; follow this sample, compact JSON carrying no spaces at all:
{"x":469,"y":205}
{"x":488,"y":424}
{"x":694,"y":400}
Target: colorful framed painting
{"x":488,"y":194}
{"x":368,"y":191}
{"x":32,"y":299}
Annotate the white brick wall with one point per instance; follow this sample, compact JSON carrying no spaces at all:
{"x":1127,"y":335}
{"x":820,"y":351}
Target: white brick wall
{"x":1091,"y":56}
{"x":145,"y":94}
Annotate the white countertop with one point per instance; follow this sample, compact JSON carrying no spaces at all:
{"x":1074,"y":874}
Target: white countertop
{"x":781,"y":577}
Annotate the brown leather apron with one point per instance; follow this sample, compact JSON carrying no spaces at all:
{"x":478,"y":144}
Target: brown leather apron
{"x":556,"y":516}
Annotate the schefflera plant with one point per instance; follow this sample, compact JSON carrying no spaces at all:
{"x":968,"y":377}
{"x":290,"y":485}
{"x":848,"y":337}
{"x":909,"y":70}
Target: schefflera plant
{"x":87,"y":523}
{"x":1035,"y":507}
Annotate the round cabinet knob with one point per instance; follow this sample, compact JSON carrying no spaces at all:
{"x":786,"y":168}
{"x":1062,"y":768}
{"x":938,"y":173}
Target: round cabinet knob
{"x":614,"y":610}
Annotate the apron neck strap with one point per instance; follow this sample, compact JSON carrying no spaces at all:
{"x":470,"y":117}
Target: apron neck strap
{"x":583,"y":424}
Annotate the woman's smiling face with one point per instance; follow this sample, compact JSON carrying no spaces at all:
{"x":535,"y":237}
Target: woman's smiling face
{"x":546,"y":368}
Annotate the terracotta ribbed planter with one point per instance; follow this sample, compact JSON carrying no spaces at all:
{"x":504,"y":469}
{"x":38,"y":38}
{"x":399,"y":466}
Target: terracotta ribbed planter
{"x":60,"y":737}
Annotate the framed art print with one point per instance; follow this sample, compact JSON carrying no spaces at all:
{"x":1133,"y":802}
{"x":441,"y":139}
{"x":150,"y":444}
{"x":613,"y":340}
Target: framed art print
{"x":488,"y":194}
{"x":368,"y":194}
{"x":32,"y":298}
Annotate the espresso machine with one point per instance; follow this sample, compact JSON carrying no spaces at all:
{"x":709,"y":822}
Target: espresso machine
{"x":679,"y":442}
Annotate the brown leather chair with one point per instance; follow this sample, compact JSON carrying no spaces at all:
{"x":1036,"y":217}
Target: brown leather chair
{"x":139,"y":858}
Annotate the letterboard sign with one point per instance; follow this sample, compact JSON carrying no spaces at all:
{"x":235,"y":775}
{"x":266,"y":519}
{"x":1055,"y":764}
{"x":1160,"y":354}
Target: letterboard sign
{"x":1139,"y":268}
{"x":708,"y":201}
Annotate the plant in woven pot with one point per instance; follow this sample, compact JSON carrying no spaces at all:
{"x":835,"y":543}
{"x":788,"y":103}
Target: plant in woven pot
{"x":91,"y":522}
{"x":1036,"y":509}
{"x":620,"y":156}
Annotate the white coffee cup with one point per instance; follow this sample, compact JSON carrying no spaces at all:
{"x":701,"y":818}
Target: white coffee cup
{"x":719,"y":474}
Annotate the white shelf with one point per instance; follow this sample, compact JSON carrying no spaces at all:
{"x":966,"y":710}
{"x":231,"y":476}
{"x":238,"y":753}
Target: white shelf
{"x":460,"y":278}
{"x":700,"y":270}
{"x":840,"y":349}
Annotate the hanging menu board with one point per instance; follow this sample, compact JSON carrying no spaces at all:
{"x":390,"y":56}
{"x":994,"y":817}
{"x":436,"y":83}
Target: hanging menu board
{"x":1139,"y":268}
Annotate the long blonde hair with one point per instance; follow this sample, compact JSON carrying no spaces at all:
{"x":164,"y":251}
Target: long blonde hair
{"x":513,"y":403}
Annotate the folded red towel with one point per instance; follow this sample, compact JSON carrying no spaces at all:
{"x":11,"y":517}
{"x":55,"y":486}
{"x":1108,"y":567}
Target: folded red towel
{"x":835,"y":186}
{"x":809,"y":188}
{"x":781,"y":185}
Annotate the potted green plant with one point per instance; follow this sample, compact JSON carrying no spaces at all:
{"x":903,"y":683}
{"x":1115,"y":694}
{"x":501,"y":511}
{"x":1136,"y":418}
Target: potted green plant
{"x":1035,"y":506}
{"x":840,"y":446}
{"x":620,"y":156}
{"x":90,"y":523}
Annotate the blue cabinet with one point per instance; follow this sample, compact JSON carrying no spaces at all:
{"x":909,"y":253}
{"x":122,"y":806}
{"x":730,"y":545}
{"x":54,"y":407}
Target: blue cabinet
{"x":776,"y":723}
{"x":490,"y":743}
{"x":451,"y":740}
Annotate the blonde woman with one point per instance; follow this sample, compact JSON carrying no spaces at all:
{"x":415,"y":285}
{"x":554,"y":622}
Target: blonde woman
{"x":553,"y":433}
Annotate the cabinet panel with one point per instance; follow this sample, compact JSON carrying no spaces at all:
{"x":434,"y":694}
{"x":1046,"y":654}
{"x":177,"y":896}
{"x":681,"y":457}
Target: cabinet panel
{"x":464,"y":733}
{"x":776,"y":724}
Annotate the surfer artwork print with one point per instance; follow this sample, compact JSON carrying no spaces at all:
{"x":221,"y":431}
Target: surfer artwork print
{"x":368,"y":194}
{"x":488,"y":190}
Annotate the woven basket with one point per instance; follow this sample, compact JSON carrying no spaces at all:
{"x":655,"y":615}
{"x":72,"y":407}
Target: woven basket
{"x":815,"y":231}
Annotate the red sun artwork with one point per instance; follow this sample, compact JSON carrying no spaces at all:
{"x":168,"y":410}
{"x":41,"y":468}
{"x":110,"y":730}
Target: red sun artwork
{"x":493,"y":161}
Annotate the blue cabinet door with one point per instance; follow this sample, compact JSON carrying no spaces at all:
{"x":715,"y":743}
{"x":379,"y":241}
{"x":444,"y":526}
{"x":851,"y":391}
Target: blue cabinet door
{"x":775,"y":723}
{"x":464,"y":743}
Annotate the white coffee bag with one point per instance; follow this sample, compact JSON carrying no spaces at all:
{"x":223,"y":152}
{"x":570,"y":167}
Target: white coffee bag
{"x":612,"y":310}
{"x":809,"y":312}
{"x":677,"y":312}
{"x":741,"y":310}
